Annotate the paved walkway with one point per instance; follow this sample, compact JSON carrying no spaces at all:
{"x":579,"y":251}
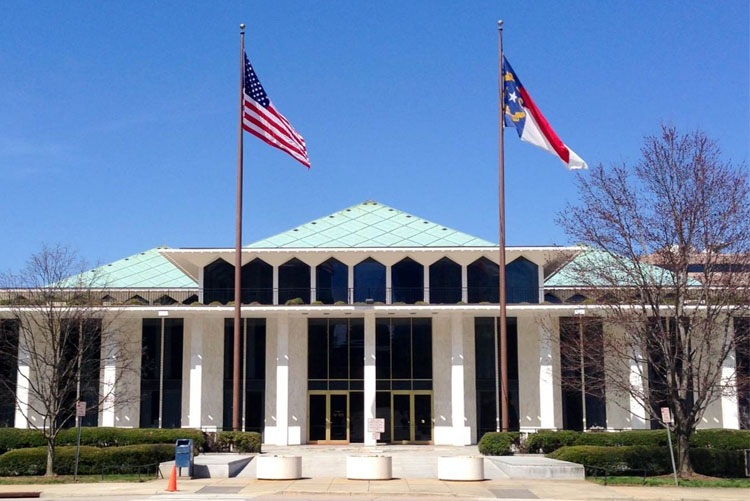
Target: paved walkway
{"x":414,"y":473}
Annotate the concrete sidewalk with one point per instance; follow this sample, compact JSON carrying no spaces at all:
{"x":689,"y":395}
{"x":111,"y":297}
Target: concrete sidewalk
{"x":414,"y":473}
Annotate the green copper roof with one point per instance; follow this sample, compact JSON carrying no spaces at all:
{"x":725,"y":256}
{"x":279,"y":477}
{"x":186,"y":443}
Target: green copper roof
{"x":145,"y":270}
{"x":370,"y":224}
{"x":596,"y":268}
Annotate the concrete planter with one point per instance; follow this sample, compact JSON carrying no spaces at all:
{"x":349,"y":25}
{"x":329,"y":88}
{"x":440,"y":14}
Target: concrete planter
{"x":278,"y":467}
{"x":464,"y":468}
{"x":369,"y":467}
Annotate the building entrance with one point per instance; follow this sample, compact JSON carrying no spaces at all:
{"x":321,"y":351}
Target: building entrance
{"x":329,"y":418}
{"x":412,"y":417}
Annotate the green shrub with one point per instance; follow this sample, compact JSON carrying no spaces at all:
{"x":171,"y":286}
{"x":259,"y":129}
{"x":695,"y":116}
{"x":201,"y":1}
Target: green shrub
{"x":16,"y":438}
{"x":624,"y":460}
{"x":92,"y":460}
{"x":547,"y":441}
{"x":13,"y":438}
{"x":238,"y":441}
{"x":718,"y":462}
{"x":721,"y":439}
{"x":649,"y":460}
{"x":498,"y":443}
{"x":650,"y":438}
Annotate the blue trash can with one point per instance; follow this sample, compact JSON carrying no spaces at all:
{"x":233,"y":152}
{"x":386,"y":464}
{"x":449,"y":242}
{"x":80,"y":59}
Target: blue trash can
{"x":183,"y":455}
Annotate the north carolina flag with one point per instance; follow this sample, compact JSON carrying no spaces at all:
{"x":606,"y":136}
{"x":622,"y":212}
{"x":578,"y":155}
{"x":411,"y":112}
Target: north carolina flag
{"x":532,"y":127}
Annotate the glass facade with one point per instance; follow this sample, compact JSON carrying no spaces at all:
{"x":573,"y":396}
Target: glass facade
{"x":294,"y":281}
{"x":8,"y":372}
{"x":521,"y":281}
{"x":257,"y":282}
{"x":742,"y":353}
{"x":332,"y":279}
{"x":161,"y":373}
{"x":252,"y":370}
{"x":407,"y":282}
{"x":483,"y":281}
{"x":369,"y":281}
{"x":80,"y":345}
{"x":485,"y":343}
{"x":591,"y":362}
{"x":218,"y":282}
{"x":445,"y":282}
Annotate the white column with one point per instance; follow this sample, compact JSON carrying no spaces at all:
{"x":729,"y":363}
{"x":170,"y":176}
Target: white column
{"x":108,"y":391}
{"x":464,"y":283}
{"x":282,"y":382}
{"x":461,"y":432}
{"x":546,"y":383}
{"x":195,"y":376}
{"x":426,"y":284}
{"x":388,"y":285}
{"x":730,"y":416}
{"x":639,"y":419}
{"x":22,"y":393}
{"x":313,"y":284}
{"x":370,"y":374}
{"x":275,"y":282}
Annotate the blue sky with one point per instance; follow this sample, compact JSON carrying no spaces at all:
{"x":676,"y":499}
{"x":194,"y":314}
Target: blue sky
{"x":118,"y":121}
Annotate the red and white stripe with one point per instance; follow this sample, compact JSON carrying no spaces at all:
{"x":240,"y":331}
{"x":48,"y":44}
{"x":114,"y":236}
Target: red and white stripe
{"x":270,"y":126}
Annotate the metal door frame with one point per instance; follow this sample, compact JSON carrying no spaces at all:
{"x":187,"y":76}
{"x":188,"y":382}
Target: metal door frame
{"x":412,"y":424}
{"x":328,"y":394}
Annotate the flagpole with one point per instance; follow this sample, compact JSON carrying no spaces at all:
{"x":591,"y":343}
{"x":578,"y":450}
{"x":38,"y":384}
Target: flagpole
{"x":502,"y":397}
{"x":238,"y":250}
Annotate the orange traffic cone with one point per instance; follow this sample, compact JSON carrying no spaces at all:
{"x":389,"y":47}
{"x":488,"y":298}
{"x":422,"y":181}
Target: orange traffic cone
{"x":172,"y":485}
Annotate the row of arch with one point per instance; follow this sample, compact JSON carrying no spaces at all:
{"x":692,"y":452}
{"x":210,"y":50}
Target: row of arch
{"x":441,"y":283}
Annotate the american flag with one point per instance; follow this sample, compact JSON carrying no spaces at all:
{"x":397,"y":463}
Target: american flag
{"x":261,"y":119}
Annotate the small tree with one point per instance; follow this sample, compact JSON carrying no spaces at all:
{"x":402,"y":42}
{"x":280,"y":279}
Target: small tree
{"x":60,"y":334}
{"x":669,"y":263}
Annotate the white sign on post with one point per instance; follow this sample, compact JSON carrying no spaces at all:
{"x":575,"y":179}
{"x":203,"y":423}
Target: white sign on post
{"x":81,"y":408}
{"x":376,"y":425}
{"x":666,"y":416}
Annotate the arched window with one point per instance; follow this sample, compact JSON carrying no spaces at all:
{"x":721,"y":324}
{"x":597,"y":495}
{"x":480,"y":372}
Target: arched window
{"x":369,"y":281}
{"x":483,"y":281}
{"x":332,"y":282}
{"x":407,"y":281}
{"x":294,"y":281}
{"x":445,"y":282}
{"x":218,"y":282}
{"x":521,"y":281}
{"x":257,"y":282}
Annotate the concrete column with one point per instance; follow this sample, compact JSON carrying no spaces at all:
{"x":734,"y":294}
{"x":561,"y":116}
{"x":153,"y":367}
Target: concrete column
{"x":461,"y":432}
{"x":638,"y":368}
{"x":109,"y":378}
{"x":547,"y":398}
{"x":388,"y":285}
{"x":370,"y":374}
{"x":730,"y":416}
{"x":426,"y":284}
{"x":313,"y":285}
{"x":194,"y":336}
{"x":275,"y":281}
{"x":282,"y":382}
{"x":22,"y":393}
{"x":464,"y":283}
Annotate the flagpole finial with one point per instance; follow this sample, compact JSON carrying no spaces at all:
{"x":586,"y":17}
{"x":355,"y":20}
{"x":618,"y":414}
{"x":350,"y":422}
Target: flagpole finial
{"x":242,"y":27}
{"x":500,"y":24}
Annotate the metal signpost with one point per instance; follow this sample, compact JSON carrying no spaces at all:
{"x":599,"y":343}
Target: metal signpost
{"x":80,"y":413}
{"x":666,"y":418}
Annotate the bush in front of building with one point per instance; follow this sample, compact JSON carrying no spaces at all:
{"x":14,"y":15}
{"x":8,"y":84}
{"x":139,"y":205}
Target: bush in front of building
{"x":499,"y":443}
{"x":650,"y":460}
{"x":546,"y":441}
{"x":238,"y":441}
{"x":622,"y":460}
{"x":721,"y":439}
{"x":91,"y":461}
{"x":15,"y":438}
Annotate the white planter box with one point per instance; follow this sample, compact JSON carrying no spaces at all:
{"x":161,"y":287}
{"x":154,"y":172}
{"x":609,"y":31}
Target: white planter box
{"x":278,"y":467}
{"x":369,"y":468}
{"x":465,"y":468}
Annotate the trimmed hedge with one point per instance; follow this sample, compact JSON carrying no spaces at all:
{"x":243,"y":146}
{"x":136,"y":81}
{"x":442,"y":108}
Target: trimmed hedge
{"x":13,"y":438}
{"x":238,"y":441}
{"x":650,"y":460}
{"x":498,"y":443}
{"x":548,"y":441}
{"x":92,"y":460}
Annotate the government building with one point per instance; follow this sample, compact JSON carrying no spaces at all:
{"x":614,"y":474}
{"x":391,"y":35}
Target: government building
{"x":363,"y":315}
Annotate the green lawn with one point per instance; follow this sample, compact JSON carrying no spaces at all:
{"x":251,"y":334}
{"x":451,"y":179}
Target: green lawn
{"x":668,"y":481}
{"x":68,"y":479}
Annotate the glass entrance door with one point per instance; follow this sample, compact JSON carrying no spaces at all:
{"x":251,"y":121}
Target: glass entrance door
{"x":412,"y":417}
{"x":328,"y":421}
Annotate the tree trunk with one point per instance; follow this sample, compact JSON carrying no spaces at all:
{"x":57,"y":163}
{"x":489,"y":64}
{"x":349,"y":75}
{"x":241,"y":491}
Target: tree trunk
{"x":50,"y":458}
{"x":682,"y":460}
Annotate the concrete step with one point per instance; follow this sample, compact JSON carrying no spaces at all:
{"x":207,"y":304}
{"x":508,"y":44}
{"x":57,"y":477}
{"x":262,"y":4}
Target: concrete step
{"x":212,"y":465}
{"x":537,"y":467}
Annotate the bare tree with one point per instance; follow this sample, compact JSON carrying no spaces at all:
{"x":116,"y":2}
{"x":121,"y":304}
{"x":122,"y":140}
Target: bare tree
{"x":669,"y":262}
{"x":56,"y":329}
